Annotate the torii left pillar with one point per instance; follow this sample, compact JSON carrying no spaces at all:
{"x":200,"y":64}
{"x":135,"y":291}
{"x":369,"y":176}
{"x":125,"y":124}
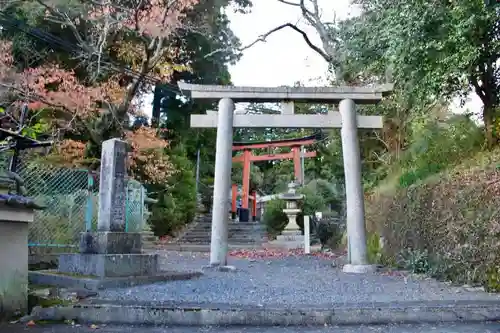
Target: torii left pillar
{"x":222,"y":183}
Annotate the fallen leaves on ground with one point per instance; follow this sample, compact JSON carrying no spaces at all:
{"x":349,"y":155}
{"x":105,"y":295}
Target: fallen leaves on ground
{"x":278,"y":253}
{"x":165,"y":239}
{"x":394,"y":273}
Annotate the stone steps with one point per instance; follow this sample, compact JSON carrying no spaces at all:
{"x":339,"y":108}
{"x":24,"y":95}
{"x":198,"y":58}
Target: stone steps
{"x":231,"y":229}
{"x":234,"y":241}
{"x":149,"y":240}
{"x":198,"y":234}
{"x":238,"y":233}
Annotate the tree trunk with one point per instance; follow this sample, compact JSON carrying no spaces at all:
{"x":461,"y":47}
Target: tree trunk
{"x":489,"y":111}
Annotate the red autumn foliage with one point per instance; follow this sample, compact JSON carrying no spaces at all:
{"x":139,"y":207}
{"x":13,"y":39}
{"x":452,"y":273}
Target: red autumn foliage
{"x":107,"y":27}
{"x":152,"y":17}
{"x":52,"y":87}
{"x":268,"y":253}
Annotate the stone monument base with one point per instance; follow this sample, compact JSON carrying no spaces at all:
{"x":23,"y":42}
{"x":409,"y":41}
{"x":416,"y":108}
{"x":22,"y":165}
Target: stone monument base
{"x":56,"y":279}
{"x":105,"y":242}
{"x":109,"y":265}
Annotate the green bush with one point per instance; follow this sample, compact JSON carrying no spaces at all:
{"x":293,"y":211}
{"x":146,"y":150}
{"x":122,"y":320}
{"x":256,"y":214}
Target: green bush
{"x":373,"y":248}
{"x":450,"y":221}
{"x":330,"y":194}
{"x":329,"y":234}
{"x":176,"y":206}
{"x":437,"y":145}
{"x":274,"y":218}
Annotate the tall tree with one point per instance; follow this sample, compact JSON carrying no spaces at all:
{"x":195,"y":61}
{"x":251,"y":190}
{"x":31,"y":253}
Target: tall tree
{"x":112,"y":53}
{"x":432,"y":51}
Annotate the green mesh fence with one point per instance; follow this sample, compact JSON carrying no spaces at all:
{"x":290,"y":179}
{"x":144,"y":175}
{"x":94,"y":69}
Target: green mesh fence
{"x":71,"y":198}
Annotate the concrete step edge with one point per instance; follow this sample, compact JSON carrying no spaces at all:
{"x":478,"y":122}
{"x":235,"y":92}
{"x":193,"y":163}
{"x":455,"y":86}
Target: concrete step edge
{"x":232,"y":315}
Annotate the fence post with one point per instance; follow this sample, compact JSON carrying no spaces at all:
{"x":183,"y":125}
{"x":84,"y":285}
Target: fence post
{"x":90,"y":203}
{"x":143,"y":195}
{"x":127,"y":206}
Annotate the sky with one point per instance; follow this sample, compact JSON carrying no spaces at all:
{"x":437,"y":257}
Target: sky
{"x":285,"y":58}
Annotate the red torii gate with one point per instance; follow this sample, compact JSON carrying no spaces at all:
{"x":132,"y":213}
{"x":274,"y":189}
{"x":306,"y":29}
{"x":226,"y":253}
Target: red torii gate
{"x":247,"y":158}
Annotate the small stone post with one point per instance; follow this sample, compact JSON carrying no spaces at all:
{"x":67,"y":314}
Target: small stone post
{"x":356,"y":230}
{"x":222,"y":183}
{"x":307,"y":235}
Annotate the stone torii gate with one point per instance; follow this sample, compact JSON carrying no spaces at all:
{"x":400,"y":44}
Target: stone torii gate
{"x":347,"y":119}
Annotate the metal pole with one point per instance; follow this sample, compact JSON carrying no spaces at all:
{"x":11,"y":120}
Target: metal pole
{"x":197,"y":171}
{"x":302,"y":164}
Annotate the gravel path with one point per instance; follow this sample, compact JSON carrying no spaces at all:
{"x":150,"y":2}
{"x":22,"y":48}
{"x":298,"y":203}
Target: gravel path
{"x":287,"y":281}
{"x":458,"y":328}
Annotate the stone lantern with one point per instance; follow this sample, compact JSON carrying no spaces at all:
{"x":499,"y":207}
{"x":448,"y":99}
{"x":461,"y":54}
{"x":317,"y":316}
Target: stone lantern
{"x":291,"y":237}
{"x":291,"y":199}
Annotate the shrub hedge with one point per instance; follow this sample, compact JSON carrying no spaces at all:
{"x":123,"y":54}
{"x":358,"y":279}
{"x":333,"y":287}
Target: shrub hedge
{"x":447,"y":225}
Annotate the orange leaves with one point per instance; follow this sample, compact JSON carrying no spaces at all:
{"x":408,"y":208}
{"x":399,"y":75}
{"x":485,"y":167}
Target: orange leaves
{"x":111,"y":91}
{"x":145,"y":138}
{"x":53,"y":86}
{"x":148,"y":155}
{"x":156,"y":166}
{"x":71,"y":152}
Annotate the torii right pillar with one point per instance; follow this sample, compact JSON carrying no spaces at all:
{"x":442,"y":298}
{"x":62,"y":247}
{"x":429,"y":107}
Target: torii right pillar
{"x":356,"y":230}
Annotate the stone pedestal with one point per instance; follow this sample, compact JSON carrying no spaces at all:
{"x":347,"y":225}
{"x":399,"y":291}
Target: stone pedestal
{"x":288,"y":240}
{"x":14,"y":224}
{"x":110,"y":254}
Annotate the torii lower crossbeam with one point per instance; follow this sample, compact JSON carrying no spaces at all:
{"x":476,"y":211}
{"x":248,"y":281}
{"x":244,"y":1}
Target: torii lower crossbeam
{"x":330,"y":120}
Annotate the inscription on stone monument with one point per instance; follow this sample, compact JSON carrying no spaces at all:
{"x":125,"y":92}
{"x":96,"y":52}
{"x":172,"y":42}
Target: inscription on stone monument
{"x":112,"y":187}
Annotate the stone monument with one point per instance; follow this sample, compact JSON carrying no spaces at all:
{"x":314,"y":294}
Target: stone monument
{"x":291,"y":237}
{"x":110,"y":257}
{"x":111,"y":252}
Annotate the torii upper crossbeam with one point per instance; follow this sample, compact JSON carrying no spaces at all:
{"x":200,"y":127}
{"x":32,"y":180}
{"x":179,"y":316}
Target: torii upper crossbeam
{"x":327,"y":95}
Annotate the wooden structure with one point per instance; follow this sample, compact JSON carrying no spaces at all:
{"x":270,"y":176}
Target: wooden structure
{"x":248,"y":157}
